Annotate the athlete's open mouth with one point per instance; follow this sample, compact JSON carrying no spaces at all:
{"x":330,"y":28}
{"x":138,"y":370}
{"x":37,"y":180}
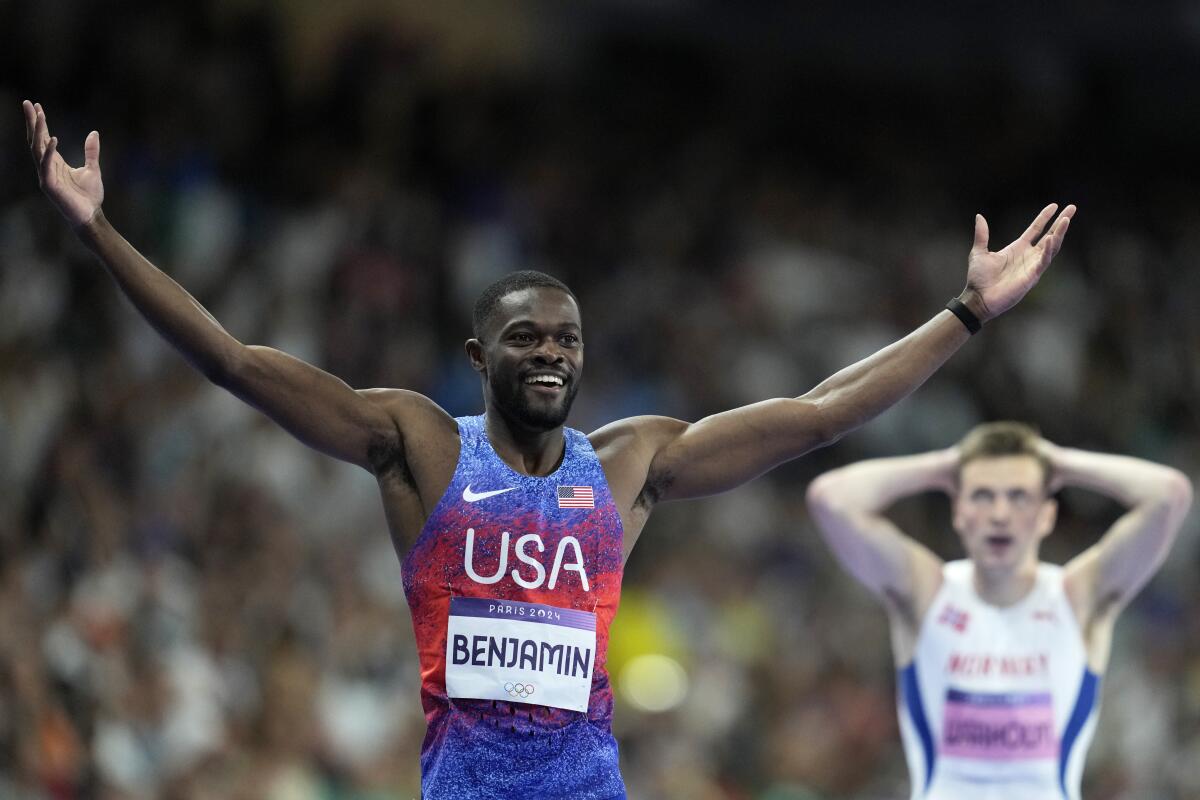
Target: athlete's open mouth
{"x":999,"y":541}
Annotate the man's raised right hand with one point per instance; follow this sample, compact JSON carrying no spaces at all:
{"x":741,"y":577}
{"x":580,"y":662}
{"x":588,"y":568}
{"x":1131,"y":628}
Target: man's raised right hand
{"x":996,"y":281}
{"x":77,"y":192}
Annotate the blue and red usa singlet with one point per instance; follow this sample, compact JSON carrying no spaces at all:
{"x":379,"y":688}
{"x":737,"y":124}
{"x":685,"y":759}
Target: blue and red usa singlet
{"x":512,"y":585}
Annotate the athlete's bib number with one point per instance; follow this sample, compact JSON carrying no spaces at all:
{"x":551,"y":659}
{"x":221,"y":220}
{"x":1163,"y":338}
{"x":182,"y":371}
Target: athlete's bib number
{"x":521,"y":652}
{"x":999,"y":727}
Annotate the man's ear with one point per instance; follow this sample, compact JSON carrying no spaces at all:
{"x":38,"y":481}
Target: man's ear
{"x":474,"y":349}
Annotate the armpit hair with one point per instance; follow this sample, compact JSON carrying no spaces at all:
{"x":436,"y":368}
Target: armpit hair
{"x":386,"y":455}
{"x":655,"y":487}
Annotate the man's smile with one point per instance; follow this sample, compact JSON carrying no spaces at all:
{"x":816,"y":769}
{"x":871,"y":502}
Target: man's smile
{"x":548,"y":383}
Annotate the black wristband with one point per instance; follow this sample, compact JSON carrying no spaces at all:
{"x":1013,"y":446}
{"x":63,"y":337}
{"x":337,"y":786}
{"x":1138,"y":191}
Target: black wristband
{"x":959,"y":309}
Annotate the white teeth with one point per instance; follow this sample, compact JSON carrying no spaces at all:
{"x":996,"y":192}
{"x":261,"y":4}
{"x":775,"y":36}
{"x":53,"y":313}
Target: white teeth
{"x":552,"y":380}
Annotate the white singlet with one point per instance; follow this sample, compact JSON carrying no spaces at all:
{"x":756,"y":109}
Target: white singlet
{"x":998,"y":703}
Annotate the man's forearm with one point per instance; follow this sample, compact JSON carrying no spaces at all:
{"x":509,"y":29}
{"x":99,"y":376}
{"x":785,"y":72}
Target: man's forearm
{"x":166,"y":305}
{"x":1129,"y":481}
{"x":727,"y":449}
{"x":860,"y":392}
{"x":872,"y":486}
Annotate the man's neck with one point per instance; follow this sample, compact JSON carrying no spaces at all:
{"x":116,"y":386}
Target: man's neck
{"x":1005,"y":587}
{"x":529,"y":452}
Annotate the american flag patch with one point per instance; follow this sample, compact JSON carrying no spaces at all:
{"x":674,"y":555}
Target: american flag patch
{"x":576,"y":497}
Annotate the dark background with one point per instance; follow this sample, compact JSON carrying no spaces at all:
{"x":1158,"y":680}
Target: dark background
{"x":745,"y":197}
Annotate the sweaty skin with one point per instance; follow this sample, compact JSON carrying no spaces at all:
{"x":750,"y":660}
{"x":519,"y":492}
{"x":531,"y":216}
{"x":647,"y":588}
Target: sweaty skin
{"x":411,"y":445}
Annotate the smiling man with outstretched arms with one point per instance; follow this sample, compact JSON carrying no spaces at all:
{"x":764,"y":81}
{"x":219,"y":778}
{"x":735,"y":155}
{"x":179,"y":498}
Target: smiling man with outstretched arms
{"x":512,"y":529}
{"x":999,"y":655}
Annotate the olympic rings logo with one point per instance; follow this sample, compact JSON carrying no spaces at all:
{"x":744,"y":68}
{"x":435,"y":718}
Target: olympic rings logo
{"x":519,"y":690}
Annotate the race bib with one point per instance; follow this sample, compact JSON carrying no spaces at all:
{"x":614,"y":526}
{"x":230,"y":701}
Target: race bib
{"x":999,"y":727}
{"x":521,"y":652}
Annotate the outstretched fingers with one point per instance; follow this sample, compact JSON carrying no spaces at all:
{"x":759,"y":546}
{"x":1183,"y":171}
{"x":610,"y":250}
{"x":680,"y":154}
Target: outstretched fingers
{"x":47,"y":163}
{"x":1053,"y":240}
{"x":1039,"y":224}
{"x":40,"y":137}
{"x":1054,"y":236}
{"x":30,"y":121}
{"x":42,"y":132}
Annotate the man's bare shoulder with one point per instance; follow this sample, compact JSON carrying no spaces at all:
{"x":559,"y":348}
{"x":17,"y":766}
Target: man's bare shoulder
{"x":405,"y":403}
{"x":627,"y":449}
{"x":645,"y":435}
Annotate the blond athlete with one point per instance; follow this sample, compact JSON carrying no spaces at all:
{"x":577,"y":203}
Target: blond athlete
{"x":999,"y":654}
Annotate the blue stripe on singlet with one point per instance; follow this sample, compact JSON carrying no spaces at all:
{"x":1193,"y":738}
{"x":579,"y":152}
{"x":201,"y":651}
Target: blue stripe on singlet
{"x":910,"y":691}
{"x":1084,"y":703}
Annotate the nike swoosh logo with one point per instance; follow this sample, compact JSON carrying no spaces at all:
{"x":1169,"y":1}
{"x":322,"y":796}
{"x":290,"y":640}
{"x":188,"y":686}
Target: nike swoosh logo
{"x":472,"y":497}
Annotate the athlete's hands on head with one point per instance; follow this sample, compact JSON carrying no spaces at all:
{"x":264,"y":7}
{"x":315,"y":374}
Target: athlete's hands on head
{"x":1053,"y":455}
{"x":946,"y":479}
{"x":77,"y":192}
{"x":996,"y":281}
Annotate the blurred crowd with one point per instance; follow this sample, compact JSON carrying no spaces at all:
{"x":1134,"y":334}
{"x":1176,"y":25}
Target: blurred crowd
{"x":194,"y":606}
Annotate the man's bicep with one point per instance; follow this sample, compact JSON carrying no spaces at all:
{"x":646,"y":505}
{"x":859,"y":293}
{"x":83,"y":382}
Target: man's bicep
{"x":1112,"y":571}
{"x":318,"y":408}
{"x":725,"y":450}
